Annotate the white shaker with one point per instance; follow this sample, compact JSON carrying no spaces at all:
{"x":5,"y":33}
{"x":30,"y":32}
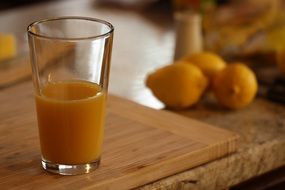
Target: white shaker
{"x":189,"y":37}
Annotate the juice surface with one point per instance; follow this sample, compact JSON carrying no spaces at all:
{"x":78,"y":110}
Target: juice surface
{"x":71,"y":118}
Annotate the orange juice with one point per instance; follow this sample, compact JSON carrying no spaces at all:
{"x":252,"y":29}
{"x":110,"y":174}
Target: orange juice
{"x":71,"y":119}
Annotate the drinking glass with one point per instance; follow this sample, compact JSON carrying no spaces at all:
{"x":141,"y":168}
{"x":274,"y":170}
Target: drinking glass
{"x":70,"y":60}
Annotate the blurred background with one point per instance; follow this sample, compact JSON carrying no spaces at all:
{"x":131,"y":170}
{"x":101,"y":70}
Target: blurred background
{"x":251,"y":31}
{"x":232,"y":28}
{"x":16,"y":3}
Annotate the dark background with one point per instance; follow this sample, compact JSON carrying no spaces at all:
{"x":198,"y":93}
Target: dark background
{"x":6,"y":4}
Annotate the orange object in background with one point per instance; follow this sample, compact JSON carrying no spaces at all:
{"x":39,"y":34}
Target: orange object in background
{"x":8,"y":48}
{"x":71,"y":119}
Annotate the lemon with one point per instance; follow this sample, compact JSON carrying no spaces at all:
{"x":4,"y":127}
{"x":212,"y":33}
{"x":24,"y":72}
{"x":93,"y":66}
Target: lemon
{"x":208,"y":62}
{"x":178,"y":85}
{"x":7,"y":46}
{"x":235,"y":86}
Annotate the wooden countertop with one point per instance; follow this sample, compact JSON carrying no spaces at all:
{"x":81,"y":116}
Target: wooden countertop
{"x":142,"y":43}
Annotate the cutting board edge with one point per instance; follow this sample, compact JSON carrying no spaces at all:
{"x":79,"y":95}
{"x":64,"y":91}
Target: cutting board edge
{"x":163,"y":169}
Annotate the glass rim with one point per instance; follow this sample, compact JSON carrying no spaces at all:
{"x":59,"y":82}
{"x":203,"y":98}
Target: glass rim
{"x":108,"y":33}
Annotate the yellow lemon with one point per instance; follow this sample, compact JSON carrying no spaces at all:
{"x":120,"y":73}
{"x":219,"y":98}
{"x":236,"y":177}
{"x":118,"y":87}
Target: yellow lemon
{"x":178,"y":85}
{"x":7,"y":47}
{"x":235,"y":86}
{"x":208,"y":62}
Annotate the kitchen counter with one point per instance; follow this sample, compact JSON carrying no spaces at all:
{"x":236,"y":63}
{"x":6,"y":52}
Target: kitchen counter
{"x":144,"y":40}
{"x":262,"y":146}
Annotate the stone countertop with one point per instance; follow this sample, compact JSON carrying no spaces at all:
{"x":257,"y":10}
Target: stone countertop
{"x":261,"y":127}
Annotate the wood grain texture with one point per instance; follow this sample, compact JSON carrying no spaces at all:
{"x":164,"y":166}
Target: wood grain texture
{"x":141,"y":145}
{"x":14,"y":71}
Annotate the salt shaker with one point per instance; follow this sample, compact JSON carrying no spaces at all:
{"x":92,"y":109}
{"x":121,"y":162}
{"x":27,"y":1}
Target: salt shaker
{"x":189,"y":38}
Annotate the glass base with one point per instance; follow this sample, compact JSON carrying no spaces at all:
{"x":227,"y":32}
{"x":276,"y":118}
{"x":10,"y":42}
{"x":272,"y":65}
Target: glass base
{"x":75,"y":169}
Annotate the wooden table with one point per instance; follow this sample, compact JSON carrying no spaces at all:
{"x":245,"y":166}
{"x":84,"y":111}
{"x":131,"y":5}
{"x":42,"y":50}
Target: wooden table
{"x":144,"y":40}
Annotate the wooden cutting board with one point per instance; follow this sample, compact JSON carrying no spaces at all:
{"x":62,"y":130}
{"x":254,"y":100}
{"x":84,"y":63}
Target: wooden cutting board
{"x":141,"y":145}
{"x":14,"y":70}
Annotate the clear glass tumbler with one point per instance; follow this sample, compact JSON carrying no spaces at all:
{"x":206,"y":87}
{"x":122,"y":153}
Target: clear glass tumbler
{"x":70,"y":59}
